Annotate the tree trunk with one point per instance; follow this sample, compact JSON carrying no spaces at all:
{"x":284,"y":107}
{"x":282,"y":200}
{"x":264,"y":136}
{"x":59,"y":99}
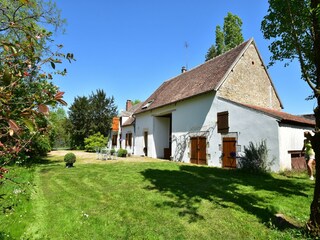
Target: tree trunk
{"x":314,"y":221}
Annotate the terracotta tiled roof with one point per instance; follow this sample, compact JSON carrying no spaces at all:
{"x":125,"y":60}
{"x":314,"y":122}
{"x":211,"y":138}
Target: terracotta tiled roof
{"x":204,"y":78}
{"x":283,"y":116}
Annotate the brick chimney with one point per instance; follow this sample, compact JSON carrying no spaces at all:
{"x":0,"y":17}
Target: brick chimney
{"x":128,"y":105}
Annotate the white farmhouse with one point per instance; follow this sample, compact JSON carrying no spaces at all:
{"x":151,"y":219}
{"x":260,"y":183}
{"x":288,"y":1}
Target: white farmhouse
{"x":208,"y":114}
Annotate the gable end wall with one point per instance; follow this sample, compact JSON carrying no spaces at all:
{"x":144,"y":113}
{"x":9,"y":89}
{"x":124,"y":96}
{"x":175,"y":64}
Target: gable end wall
{"x":249,"y":82}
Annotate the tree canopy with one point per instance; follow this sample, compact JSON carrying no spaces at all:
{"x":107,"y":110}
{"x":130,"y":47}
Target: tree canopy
{"x":294,"y":27}
{"x":230,"y":37}
{"x":26,"y":89}
{"x":90,"y":115}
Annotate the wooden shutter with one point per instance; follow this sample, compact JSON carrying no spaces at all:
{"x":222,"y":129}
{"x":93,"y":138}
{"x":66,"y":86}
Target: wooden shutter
{"x":130,"y":140}
{"x":223,"y":122}
{"x":114,"y":140}
{"x":127,"y":136}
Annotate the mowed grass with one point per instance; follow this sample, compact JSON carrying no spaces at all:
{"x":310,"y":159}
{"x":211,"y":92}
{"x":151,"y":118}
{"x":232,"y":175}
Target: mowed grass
{"x":127,"y":199}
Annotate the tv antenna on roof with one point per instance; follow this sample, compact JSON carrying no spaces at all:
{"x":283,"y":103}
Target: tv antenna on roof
{"x":186,"y":45}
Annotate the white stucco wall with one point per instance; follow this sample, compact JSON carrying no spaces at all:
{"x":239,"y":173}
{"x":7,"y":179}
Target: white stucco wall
{"x":189,"y":116}
{"x":290,"y":138}
{"x":252,"y":126}
{"x":117,"y":146}
{"x":125,"y":130}
{"x":198,"y":117}
{"x":193,"y":117}
{"x":144,"y":123}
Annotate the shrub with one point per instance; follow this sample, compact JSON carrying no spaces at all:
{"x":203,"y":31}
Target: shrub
{"x":94,"y":141}
{"x":40,"y":146}
{"x":255,"y":158}
{"x":70,"y":159}
{"x":112,"y":151}
{"x":122,"y":152}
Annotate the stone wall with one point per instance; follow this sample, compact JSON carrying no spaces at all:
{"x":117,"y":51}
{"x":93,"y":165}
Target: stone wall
{"x":249,"y":83}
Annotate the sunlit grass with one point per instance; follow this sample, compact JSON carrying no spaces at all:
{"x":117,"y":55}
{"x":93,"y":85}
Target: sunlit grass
{"x":154,"y":200}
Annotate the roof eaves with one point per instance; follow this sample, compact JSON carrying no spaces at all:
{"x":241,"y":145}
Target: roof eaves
{"x":251,"y":108}
{"x":275,"y":114}
{"x":175,"y":102}
{"x":297,"y":123}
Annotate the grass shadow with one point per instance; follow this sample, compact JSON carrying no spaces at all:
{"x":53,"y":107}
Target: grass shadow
{"x":5,"y":236}
{"x":189,"y":185}
{"x":40,"y":161}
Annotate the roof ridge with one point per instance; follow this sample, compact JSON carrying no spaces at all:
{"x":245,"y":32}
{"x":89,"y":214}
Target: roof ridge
{"x":243,"y":43}
{"x":216,"y":57}
{"x":200,"y":79}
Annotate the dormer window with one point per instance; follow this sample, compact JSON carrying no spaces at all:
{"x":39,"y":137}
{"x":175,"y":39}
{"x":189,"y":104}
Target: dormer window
{"x":147,"y":104}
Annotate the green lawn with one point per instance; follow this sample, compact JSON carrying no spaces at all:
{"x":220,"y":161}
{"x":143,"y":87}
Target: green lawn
{"x":150,"y":200}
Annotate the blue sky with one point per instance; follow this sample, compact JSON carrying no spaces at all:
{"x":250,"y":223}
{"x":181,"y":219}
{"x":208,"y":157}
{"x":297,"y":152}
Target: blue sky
{"x":129,"y":47}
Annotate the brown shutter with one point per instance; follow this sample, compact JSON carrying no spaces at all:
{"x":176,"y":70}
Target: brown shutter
{"x":223,"y":122}
{"x":130,"y":140}
{"x":114,"y":140}
{"x":126,"y":144}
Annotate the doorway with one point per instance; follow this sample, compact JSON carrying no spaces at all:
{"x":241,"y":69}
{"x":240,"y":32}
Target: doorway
{"x":145,"y":149}
{"x":198,"y":150}
{"x":229,"y":153}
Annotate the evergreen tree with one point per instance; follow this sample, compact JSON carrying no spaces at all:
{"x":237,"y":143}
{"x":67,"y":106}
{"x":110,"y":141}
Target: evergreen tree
{"x":102,"y":110}
{"x":79,"y":119}
{"x":90,"y":115}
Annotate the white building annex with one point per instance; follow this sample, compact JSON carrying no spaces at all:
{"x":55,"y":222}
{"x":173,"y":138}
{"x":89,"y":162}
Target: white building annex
{"x":122,"y":132}
{"x":208,"y":114}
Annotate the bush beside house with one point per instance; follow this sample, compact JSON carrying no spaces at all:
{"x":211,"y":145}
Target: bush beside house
{"x":95,"y":141}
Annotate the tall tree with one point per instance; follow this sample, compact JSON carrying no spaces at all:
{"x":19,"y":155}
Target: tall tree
{"x":79,"y":119}
{"x":230,"y":37}
{"x":90,"y":115}
{"x":220,"y":46}
{"x":102,"y":111}
{"x":232,"y":31}
{"x":26,"y":90}
{"x":295,"y":27}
